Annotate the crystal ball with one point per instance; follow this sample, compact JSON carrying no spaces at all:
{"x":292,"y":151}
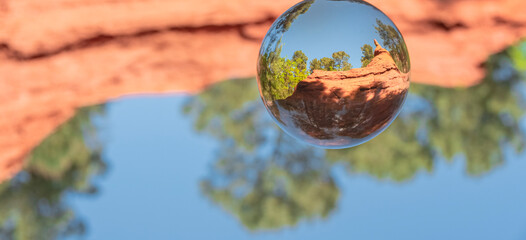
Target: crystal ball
{"x":334,"y":74}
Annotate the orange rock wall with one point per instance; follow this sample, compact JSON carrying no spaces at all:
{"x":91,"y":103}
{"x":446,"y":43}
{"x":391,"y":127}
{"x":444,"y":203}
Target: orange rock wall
{"x":56,"y":55}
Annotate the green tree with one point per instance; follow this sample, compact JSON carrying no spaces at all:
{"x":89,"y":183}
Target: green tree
{"x":338,"y":62}
{"x":32,"y":204}
{"x":264,"y":191}
{"x":282,"y":24}
{"x":327,"y":64}
{"x":341,"y":61}
{"x":396,"y":154}
{"x":393,"y":41}
{"x":315,"y":64}
{"x":299,"y":66}
{"x":272,"y":192}
{"x":279,"y":76}
{"x":478,"y":120}
{"x":517,"y":55}
{"x":300,"y":60}
{"x":213,"y":112}
{"x":368,"y":54}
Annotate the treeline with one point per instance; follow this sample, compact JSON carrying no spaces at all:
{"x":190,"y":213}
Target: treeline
{"x":338,"y":62}
{"x":393,"y":41}
{"x":279,"y":75}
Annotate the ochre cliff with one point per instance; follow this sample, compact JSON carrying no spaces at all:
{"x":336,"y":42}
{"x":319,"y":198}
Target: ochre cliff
{"x":57,"y":55}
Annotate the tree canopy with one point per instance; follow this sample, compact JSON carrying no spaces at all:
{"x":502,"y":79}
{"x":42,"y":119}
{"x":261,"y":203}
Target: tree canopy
{"x":341,"y":61}
{"x":279,"y":75}
{"x":393,"y":41}
{"x":368,"y":54}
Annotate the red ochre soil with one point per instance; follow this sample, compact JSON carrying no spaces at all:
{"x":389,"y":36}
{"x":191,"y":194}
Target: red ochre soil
{"x":338,"y":105}
{"x":57,"y":55}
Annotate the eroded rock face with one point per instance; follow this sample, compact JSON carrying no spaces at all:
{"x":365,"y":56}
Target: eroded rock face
{"x":68,"y":58}
{"x":345,"y":108}
{"x":55,"y":55}
{"x":450,"y":40}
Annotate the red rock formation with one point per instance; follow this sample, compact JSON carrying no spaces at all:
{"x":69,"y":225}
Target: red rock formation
{"x":331,"y":108}
{"x":56,"y":55}
{"x":450,"y":40}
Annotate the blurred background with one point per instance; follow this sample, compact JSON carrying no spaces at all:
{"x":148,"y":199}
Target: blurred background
{"x":141,"y":119}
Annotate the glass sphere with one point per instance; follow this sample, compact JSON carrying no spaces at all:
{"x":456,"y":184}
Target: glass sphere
{"x":333,"y":73}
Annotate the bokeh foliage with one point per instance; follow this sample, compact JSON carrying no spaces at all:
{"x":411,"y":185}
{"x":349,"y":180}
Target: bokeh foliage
{"x":270,"y":191}
{"x":263,"y":177}
{"x":32,"y":205}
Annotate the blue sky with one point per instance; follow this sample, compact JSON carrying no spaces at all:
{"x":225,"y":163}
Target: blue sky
{"x":156,"y":161}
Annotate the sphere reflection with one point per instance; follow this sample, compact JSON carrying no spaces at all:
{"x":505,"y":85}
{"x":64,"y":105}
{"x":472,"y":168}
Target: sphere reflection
{"x":326,"y":79}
